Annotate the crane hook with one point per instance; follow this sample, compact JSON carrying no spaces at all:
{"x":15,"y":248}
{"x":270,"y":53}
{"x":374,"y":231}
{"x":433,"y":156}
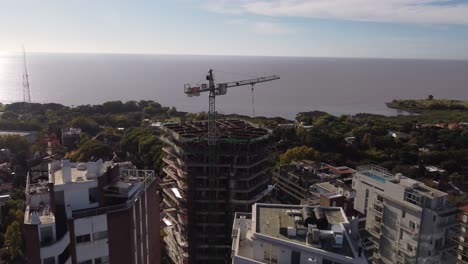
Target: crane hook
{"x":253,"y":102}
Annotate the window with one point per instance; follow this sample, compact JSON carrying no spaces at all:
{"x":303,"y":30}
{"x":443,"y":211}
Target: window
{"x":50,"y":260}
{"x":438,"y":243}
{"x":89,"y":261}
{"x":403,"y":213}
{"x":93,"y":195}
{"x":409,"y":247}
{"x":83,"y":238}
{"x":101,"y":260}
{"x":46,"y":235}
{"x":412,"y":225}
{"x":296,"y":257}
{"x":100,"y":235}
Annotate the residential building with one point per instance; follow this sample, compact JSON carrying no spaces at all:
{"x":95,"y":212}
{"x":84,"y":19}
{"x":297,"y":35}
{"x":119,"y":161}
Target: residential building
{"x":409,"y":221}
{"x":461,"y":237}
{"x":293,"y":181}
{"x":29,"y":136}
{"x":199,"y":211}
{"x":294,"y":234}
{"x":92,"y":213}
{"x":71,"y":137}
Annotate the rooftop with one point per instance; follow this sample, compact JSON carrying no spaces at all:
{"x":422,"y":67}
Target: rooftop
{"x":330,"y":187}
{"x":382,"y":175}
{"x":464,"y":208}
{"x":122,"y":185}
{"x":71,"y":131}
{"x":226,"y":130}
{"x":315,"y":227}
{"x":63,"y":172}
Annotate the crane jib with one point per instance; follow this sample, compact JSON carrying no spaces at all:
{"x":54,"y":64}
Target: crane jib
{"x":221,"y":88}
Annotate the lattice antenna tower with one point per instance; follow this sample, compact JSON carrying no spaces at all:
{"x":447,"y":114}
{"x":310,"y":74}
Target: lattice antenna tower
{"x":26,"y":90}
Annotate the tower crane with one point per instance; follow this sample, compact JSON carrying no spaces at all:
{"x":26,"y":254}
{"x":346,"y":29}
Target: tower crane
{"x":220,"y":89}
{"x":216,"y":90}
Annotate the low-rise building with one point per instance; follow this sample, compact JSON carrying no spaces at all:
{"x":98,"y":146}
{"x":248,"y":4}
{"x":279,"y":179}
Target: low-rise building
{"x":294,"y":234}
{"x":30,"y":136}
{"x":71,"y":137}
{"x":94,"y":212}
{"x":293,"y":182}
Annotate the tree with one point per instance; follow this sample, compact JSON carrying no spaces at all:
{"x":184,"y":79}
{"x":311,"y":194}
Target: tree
{"x":298,"y":153}
{"x":86,"y":124}
{"x":456,"y":178}
{"x":13,"y":240}
{"x":92,"y":149}
{"x":172,"y":111}
{"x":430,"y":97}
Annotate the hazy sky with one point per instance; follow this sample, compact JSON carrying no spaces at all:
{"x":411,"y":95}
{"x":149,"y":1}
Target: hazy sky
{"x":323,"y":28}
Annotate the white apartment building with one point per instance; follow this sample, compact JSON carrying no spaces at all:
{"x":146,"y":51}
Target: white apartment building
{"x":409,"y":221}
{"x":294,"y":234}
{"x":92,"y":213}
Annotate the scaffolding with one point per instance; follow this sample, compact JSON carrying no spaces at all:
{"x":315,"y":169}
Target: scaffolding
{"x":201,"y":213}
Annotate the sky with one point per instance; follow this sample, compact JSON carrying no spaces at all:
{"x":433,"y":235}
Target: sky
{"x":427,"y":29}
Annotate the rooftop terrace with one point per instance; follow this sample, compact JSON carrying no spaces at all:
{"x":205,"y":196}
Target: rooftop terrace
{"x":382,"y":175}
{"x":321,"y":229}
{"x":274,"y":222}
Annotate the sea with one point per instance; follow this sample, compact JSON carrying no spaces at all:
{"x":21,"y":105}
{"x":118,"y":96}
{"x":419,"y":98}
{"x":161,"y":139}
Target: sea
{"x":335,"y":85}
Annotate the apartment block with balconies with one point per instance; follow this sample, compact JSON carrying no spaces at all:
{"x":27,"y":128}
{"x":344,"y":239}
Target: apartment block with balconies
{"x":409,"y":221}
{"x":92,"y":213}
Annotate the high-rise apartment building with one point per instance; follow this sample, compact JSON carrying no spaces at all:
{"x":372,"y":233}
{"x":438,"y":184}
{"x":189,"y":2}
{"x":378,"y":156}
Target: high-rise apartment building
{"x":409,"y":221}
{"x":461,"y":236}
{"x":199,"y":214}
{"x":92,"y":213}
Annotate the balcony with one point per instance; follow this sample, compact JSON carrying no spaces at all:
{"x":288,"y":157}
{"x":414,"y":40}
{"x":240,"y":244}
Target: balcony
{"x":411,"y":231}
{"x":405,"y":251}
{"x":399,"y":258}
{"x":378,"y":202}
{"x":377,"y":211}
{"x":377,"y":224}
{"x":375,"y":232}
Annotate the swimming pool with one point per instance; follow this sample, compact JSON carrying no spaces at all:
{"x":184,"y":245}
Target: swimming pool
{"x":375,"y":177}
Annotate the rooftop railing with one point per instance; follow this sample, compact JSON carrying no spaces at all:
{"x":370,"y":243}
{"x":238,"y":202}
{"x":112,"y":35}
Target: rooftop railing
{"x":379,"y":171}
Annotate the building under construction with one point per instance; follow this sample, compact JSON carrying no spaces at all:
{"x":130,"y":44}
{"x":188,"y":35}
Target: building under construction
{"x":199,"y":212}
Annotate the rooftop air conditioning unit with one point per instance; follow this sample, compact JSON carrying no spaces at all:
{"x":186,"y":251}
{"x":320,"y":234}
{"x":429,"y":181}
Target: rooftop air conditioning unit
{"x":291,"y":231}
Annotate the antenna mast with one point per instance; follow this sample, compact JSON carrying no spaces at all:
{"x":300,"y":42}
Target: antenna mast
{"x":26,"y":90}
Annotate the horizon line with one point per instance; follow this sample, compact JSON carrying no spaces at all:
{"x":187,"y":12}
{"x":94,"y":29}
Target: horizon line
{"x":14,"y":53}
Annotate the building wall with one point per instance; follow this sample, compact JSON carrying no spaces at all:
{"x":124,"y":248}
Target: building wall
{"x":134,"y":233}
{"x":31,"y":238}
{"x":120,"y":241}
{"x":153,"y":225}
{"x":241,"y":176}
{"x":96,"y":247}
{"x":74,"y":194}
